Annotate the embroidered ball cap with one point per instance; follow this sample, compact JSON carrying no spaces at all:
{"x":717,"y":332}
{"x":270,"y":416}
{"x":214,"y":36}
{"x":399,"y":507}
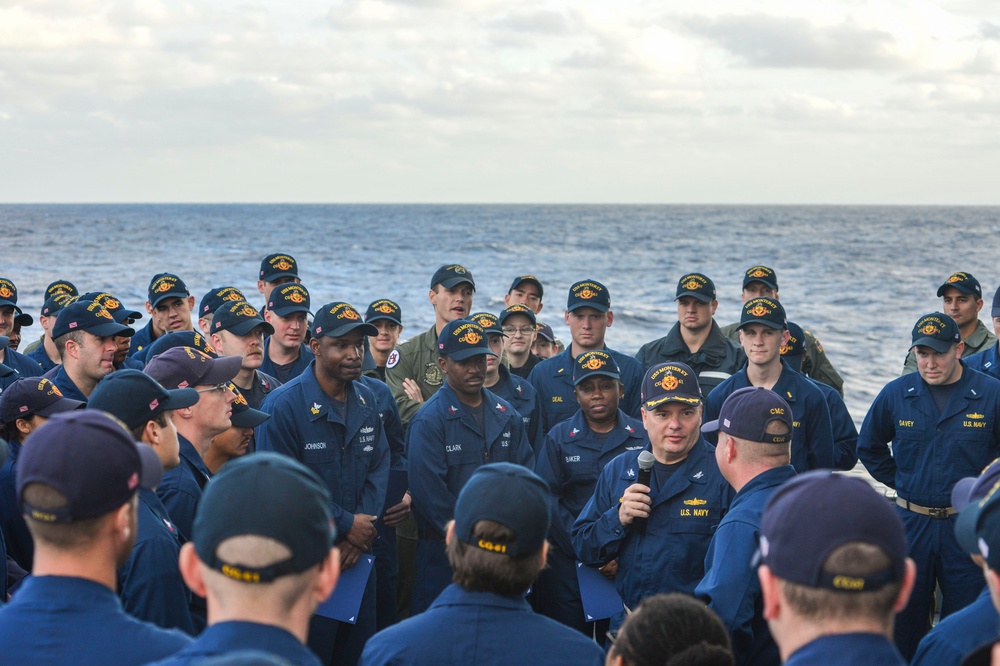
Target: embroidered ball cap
{"x":166,"y":285}
{"x":937,"y":331}
{"x":24,"y":319}
{"x":589,"y":294}
{"x":133,"y":397}
{"x":763,"y":310}
{"x":793,"y":351}
{"x":530,"y":279}
{"x":338,"y":319}
{"x":217,"y":297}
{"x":487,"y":321}
{"x":8,"y":294}
{"x":245,"y":416}
{"x":289,"y":298}
{"x":964,"y":282}
{"x":28,"y":396}
{"x":748,"y":411}
{"x":814,"y":514}
{"x":278,"y":265}
{"x":61,"y":287}
{"x":968,"y":491}
{"x":452,"y":275}
{"x":239,"y":318}
{"x":511,"y":495}
{"x":119,"y":312}
{"x":180,"y":339}
{"x":518,"y":309}
{"x":91,"y":317}
{"x":593,"y":363}
{"x":298,"y":519}
{"x":385,"y":309}
{"x":186,"y":367}
{"x":545,"y":331}
{"x":697,"y":286}
{"x":461,"y":339}
{"x":978,"y":528}
{"x":670,"y":382}
{"x":761,"y":274}
{"x":91,"y":459}
{"x":53,"y":304}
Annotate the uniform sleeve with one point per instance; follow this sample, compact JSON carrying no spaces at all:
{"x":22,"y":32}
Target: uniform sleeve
{"x":525,"y":455}
{"x":933,"y":651}
{"x":180,"y":505}
{"x":536,"y":380}
{"x":433,"y":502}
{"x":819,"y":430}
{"x":818,"y":366}
{"x":713,"y":403}
{"x":877,"y":431}
{"x":845,"y":434}
{"x":642,"y":356}
{"x":393,"y":427}
{"x":549,"y":469}
{"x":394,"y":377}
{"x":152,"y":589}
{"x":598,"y":533}
{"x":910,"y":363}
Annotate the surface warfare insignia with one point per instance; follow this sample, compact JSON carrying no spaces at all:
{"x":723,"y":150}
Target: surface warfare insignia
{"x":315,"y":408}
{"x":367,"y":430}
{"x":433,"y":375}
{"x":975,"y":415}
{"x":694,"y":501}
{"x":692,"y":285}
{"x":631,"y":472}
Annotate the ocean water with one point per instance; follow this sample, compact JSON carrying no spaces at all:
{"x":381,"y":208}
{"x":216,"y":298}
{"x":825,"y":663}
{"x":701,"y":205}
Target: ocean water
{"x":858,"y":277}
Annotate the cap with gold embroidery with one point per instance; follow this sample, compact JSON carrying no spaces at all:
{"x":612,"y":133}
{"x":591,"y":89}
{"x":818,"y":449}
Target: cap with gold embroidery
{"x":462,"y":339}
{"x":793,"y":351}
{"x":28,"y":396}
{"x":166,"y":285}
{"x":670,"y":382}
{"x":217,"y":297}
{"x":338,"y":319}
{"x":697,"y":286}
{"x":173,"y":339}
{"x":245,"y":416}
{"x":487,"y":321}
{"x":88,"y":316}
{"x":595,"y":362}
{"x":964,"y":282}
{"x":278,"y":265}
{"x":119,"y":312}
{"x":239,"y":318}
{"x":747,"y":413}
{"x":530,"y":279}
{"x":589,"y":294}
{"x":8,"y":294}
{"x":517,"y":309}
{"x":761,"y":274}
{"x":937,"y":331}
{"x":452,"y":275}
{"x":61,"y":287}
{"x":289,"y":298}
{"x":511,"y":495}
{"x":765,"y":311}
{"x":384,"y":309}
{"x":186,"y":367}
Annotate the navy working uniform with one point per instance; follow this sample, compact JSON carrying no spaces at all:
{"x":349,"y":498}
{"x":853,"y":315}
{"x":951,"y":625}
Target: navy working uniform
{"x":523,"y":398}
{"x":67,"y":620}
{"x":40,"y":357}
{"x":180,"y":489}
{"x":482,"y":628}
{"x":959,"y":634}
{"x":445,"y":446}
{"x":570,"y":461}
{"x":856,"y":649}
{"x":66,"y":385}
{"x":16,"y":536}
{"x":931,"y":451}
{"x":986,"y":361}
{"x":812,"y":434}
{"x":718,"y":358}
{"x":288,"y":372}
{"x":669,"y":556}
{"x":150,"y":583}
{"x":730,"y":586}
{"x":227,"y":638}
{"x":23,"y":366}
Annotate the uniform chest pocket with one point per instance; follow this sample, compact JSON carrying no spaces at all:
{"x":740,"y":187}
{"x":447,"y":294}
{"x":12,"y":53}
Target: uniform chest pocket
{"x":317,"y":453}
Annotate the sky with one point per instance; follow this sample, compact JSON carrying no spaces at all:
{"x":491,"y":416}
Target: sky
{"x":500,"y":101}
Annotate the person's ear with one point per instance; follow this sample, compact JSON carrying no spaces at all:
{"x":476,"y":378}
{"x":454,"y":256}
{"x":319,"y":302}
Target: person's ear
{"x":191,"y":572}
{"x":772,"y":595}
{"x":329,"y":573}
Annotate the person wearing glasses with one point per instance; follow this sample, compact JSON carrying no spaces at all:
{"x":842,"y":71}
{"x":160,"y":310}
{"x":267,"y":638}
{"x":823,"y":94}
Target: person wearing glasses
{"x":519,"y":328}
{"x":696,"y":339}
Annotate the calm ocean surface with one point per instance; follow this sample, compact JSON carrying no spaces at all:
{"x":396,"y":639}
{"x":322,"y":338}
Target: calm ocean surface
{"x":858,"y":277}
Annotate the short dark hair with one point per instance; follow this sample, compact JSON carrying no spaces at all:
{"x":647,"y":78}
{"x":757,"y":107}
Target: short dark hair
{"x":60,"y":342}
{"x":160,"y":420}
{"x":478,"y":570}
{"x":673,"y":630}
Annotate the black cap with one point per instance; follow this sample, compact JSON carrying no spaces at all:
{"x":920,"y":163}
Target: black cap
{"x":511,"y":495}
{"x":135,"y":398}
{"x":28,"y":396}
{"x":91,"y":459}
{"x":216,"y":297}
{"x":763,"y":310}
{"x":119,"y":312}
{"x":91,"y":317}
{"x":186,"y":367}
{"x":487,"y":321}
{"x":964,"y":282}
{"x":461,"y":339}
{"x":173,"y":339}
{"x":166,"y":285}
{"x":384,"y":309}
{"x":526,"y":278}
{"x":61,"y":287}
{"x":289,"y":298}
{"x":518,"y":309}
{"x":937,"y":331}
{"x":53,"y":304}
{"x":245,"y":416}
{"x":595,"y":362}
{"x":8,"y":294}
{"x":697,"y":286}
{"x":793,"y":351}
{"x":239,"y":318}
{"x":545,"y":331}
{"x":278,"y":265}
{"x":300,"y":521}
{"x":338,"y":319}
{"x":589,"y":294}
{"x":670,"y":382}
{"x":748,"y":411}
{"x":451,"y":275}
{"x":761,"y":274}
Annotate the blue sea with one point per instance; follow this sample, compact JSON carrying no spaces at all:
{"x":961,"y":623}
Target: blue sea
{"x":858,"y":277}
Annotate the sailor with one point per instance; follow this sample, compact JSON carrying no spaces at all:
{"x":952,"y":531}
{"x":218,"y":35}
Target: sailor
{"x":286,"y":354}
{"x":214,"y":299}
{"x":387,"y":317}
{"x":56,"y":288}
{"x":22,"y":365}
{"x":84,"y":334}
{"x":239,"y":330}
{"x":46,"y":354}
{"x":545,"y":342}
{"x":988,"y":360}
{"x":169,"y":304}
{"x":519,"y":327}
{"x":275,"y":270}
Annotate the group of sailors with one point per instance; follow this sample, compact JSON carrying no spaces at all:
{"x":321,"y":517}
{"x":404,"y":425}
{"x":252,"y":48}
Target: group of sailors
{"x":659,"y":471}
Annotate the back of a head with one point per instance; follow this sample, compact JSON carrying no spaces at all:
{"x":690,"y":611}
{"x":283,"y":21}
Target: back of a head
{"x":761,"y":421}
{"x":673,"y":630}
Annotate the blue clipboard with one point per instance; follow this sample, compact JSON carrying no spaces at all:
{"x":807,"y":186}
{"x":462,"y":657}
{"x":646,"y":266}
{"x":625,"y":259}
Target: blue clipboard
{"x":345,"y":601}
{"x":600,"y":598}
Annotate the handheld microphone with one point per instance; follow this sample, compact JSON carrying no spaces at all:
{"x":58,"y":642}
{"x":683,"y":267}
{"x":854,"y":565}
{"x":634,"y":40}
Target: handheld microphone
{"x":646,"y":460}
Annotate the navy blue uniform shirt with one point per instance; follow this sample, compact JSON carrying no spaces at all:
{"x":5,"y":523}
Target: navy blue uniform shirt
{"x":229,"y":637}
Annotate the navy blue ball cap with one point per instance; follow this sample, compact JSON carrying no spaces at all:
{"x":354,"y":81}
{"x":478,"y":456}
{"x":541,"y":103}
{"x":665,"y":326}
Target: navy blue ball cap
{"x":29,"y":396}
{"x":451,"y":275}
{"x":762,"y":274}
{"x":508,"y":494}
{"x":518,"y":309}
{"x":814,"y":514}
{"x":91,"y":459}
{"x":530,"y":279}
{"x":289,"y":298}
{"x":595,"y":362}
{"x":385,"y":309}
{"x":589,"y":294}
{"x":697,"y":286}
{"x":8,"y":294}
{"x":278,"y":265}
{"x":795,"y":349}
{"x":297,"y":516}
{"x":978,"y":528}
{"x":461,"y":339}
{"x":239,"y":318}
{"x":245,"y":416}
{"x":545,"y":331}
{"x":166,"y":285}
{"x":937,"y":331}
{"x":337,"y":319}
{"x":119,"y":312}
{"x":763,"y":310}
{"x":174,"y":339}
{"x":53,"y":304}
{"x":965,"y":495}
{"x":487,"y":321}
{"x":134,"y":398}
{"x":748,"y":411}
{"x":995,"y":311}
{"x":216,"y":297}
{"x":61,"y":287}
{"x":670,"y":382}
{"x":24,"y":320}
{"x":186,"y":367}
{"x":964,"y":282}
{"x":91,"y":317}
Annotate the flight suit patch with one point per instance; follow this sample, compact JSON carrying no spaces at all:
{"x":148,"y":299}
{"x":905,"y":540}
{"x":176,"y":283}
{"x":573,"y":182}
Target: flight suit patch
{"x":433,"y":375}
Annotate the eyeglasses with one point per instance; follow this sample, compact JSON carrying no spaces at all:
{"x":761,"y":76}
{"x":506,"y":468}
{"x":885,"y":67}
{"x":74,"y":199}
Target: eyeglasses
{"x":524,"y":330}
{"x":218,"y":387}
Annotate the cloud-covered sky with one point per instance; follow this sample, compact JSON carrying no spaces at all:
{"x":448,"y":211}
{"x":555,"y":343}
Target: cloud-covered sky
{"x":717,"y":101}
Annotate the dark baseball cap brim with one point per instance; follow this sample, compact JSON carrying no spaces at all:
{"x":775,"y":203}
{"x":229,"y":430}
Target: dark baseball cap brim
{"x":271,"y":277}
{"x":940,"y":346}
{"x":963,"y":287}
{"x":450,"y":282}
{"x":770,"y":284}
{"x":249,"y":418}
{"x":109,"y":330}
{"x":223,"y":369}
{"x":170,"y":294}
{"x":595,"y":373}
{"x":711,"y":426}
{"x":285,"y":310}
{"x":4,"y":302}
{"x":366,"y":328}
{"x":770,"y":324}
{"x":600,"y":307}
{"x":469,"y":352}
{"x":384,"y":317}
{"x":179,"y":399}
{"x":24,"y":319}
{"x":61,"y":405}
{"x":124,"y":315}
{"x":694,"y":294}
{"x":247,"y":325}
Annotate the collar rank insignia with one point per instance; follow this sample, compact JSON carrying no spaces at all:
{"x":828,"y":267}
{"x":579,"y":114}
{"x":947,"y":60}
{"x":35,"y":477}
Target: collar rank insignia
{"x":574,"y":432}
{"x":315,"y":408}
{"x":698,"y":475}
